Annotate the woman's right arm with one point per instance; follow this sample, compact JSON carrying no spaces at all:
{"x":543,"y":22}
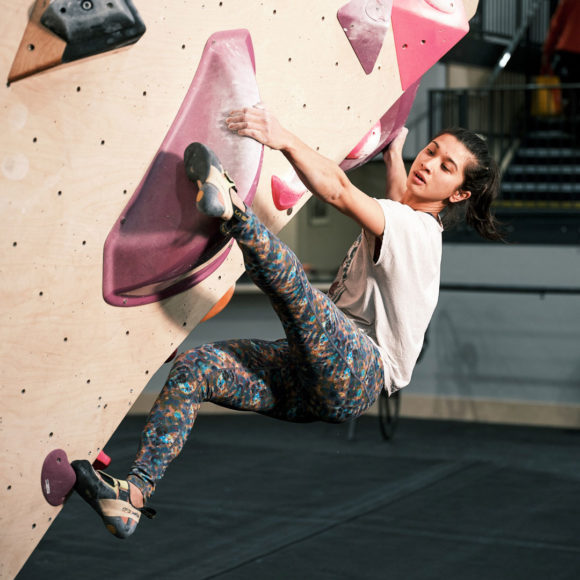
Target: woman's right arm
{"x":322,"y":176}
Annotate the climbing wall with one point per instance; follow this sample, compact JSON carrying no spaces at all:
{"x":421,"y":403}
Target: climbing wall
{"x":81,"y":143}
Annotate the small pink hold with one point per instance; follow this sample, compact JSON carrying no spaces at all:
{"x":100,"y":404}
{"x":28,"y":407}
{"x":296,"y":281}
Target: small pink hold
{"x":286,"y":194}
{"x":368,"y":144}
{"x":102,"y":461}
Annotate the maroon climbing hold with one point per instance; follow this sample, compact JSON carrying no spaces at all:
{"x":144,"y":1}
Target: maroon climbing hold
{"x":57,"y":477}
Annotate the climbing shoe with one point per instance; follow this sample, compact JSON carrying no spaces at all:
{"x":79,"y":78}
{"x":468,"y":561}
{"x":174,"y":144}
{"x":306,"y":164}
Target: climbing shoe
{"x":110,"y":498}
{"x":203,"y":167}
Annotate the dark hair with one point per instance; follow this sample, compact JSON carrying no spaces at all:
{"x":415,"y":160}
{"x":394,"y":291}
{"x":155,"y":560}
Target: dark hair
{"x":482,"y":179}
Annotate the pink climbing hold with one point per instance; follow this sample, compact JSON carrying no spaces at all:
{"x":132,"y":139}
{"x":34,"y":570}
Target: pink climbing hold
{"x":424,"y":31}
{"x":388,"y":126}
{"x":102,"y":461}
{"x":367,"y":144}
{"x":286,"y":193}
{"x":365,"y":23}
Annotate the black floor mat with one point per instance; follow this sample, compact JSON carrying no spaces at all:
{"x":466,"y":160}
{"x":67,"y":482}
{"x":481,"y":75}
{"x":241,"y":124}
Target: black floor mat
{"x":252,"y":498}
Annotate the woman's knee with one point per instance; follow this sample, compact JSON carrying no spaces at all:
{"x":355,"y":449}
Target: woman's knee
{"x":197,"y":360}
{"x":191,"y":368}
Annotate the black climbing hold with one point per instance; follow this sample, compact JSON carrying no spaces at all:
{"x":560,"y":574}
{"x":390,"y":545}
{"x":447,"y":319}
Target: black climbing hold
{"x":91,"y":27}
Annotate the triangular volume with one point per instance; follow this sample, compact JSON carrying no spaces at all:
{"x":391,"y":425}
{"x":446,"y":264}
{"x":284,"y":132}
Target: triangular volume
{"x":424,"y":30}
{"x":383,"y":132}
{"x":62,"y":31}
{"x":365,"y":23}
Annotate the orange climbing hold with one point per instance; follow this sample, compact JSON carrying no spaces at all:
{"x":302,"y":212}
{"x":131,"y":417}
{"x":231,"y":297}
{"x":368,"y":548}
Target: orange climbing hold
{"x":220,"y":304}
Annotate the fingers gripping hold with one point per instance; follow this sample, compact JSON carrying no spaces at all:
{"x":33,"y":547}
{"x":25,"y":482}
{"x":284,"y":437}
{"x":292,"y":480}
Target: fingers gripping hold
{"x":259,"y":124}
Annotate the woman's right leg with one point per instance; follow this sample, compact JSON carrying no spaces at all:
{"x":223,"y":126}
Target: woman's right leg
{"x":338,"y":367}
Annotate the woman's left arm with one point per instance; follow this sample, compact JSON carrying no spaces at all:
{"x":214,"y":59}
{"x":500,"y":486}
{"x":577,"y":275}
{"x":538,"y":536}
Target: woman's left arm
{"x":395,"y":167}
{"x":322,"y":176}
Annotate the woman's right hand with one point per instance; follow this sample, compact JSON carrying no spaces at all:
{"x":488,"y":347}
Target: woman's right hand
{"x":259,"y":124}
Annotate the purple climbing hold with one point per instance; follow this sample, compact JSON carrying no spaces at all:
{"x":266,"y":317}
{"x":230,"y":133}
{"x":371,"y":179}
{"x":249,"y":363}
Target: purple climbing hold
{"x":57,"y":477}
{"x":365,"y":23}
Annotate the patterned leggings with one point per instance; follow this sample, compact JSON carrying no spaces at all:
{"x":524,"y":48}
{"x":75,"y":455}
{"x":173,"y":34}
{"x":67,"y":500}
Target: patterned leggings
{"x":325,"y":369}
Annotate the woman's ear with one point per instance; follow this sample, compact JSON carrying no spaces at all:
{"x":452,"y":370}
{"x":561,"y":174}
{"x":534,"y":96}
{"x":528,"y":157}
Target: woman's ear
{"x":459,"y":195}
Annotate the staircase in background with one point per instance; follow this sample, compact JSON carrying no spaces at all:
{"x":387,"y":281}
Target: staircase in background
{"x":545,"y":168}
{"x":494,"y":28}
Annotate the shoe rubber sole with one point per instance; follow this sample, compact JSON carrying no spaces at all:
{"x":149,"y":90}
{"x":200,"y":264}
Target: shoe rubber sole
{"x":203,"y":167}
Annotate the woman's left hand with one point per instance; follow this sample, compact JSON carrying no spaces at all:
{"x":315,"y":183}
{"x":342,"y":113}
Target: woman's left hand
{"x":396,"y":172}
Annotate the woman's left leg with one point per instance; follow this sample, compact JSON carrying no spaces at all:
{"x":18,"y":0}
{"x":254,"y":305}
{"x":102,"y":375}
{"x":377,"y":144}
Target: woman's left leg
{"x":247,"y":375}
{"x":332,"y":372}
{"x":244,"y":375}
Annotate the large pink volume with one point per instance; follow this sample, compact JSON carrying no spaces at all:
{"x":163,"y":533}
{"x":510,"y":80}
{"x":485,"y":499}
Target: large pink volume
{"x":424,"y":31}
{"x":161,"y":245}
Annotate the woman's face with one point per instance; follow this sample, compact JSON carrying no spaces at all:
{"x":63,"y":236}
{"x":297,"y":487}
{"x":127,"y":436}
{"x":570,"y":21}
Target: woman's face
{"x":438,"y":171}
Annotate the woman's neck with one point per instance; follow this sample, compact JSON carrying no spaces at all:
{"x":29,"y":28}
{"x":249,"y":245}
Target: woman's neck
{"x":434,"y":207}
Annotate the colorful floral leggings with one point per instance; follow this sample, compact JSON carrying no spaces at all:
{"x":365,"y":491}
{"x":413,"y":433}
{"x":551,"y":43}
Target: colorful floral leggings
{"x":325,"y":369}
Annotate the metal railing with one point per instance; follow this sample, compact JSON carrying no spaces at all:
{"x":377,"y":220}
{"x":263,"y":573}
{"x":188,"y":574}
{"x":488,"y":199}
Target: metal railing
{"x":528,"y":19}
{"x":500,"y":20}
{"x":532,"y":131}
{"x":498,"y":114}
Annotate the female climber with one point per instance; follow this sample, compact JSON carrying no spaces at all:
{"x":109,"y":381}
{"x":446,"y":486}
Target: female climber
{"x":340,"y":350}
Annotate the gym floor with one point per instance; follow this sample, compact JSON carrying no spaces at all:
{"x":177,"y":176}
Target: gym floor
{"x":251,"y":498}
